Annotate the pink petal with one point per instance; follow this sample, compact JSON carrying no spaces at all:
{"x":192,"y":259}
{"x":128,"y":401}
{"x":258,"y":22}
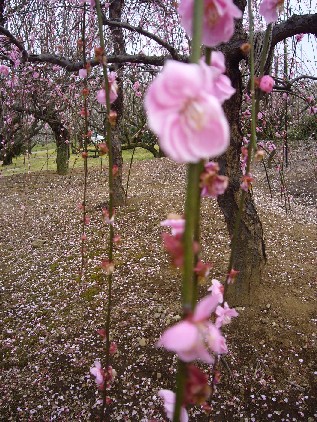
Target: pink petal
{"x":205,"y":308}
{"x":180,"y":337}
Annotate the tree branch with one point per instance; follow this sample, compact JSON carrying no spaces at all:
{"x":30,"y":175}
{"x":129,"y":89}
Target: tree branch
{"x":296,"y":24}
{"x":14,"y":41}
{"x":314,"y":78}
{"x":173,"y":52}
{"x":75,"y":66}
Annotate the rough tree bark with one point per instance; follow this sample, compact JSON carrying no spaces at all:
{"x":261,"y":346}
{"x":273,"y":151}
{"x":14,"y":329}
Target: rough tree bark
{"x":249,"y":256}
{"x":62,"y":146}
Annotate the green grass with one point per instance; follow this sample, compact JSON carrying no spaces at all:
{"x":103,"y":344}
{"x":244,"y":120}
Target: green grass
{"x":43,"y":158}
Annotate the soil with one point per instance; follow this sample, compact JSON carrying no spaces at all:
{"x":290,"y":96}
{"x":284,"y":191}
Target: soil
{"x":50,"y":315}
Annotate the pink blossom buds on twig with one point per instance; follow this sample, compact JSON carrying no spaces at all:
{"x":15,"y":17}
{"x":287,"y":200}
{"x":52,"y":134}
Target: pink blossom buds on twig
{"x":232,"y":276}
{"x":245,"y":48}
{"x":107,"y":266}
{"x":211,"y":183}
{"x":197,"y":390}
{"x":247,"y":179}
{"x":113,"y":118}
{"x":103,"y":148}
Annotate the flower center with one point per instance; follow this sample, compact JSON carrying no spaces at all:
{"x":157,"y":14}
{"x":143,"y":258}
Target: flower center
{"x":194,"y":115}
{"x":212,"y":15}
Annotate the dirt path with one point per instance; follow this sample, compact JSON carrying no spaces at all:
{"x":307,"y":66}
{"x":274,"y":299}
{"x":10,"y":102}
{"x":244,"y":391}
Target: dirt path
{"x":49,"y":318}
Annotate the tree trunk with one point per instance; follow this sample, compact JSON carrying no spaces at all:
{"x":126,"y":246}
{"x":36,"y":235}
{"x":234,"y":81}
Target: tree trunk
{"x":62,"y":147}
{"x":7,"y":159}
{"x":115,"y":11}
{"x":249,"y":257}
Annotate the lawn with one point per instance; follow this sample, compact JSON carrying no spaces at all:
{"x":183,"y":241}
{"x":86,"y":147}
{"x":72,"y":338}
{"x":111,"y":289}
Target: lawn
{"x":43,"y":158}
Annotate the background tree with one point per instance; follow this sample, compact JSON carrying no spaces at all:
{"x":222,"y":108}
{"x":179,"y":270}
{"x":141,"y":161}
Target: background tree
{"x":152,"y":34}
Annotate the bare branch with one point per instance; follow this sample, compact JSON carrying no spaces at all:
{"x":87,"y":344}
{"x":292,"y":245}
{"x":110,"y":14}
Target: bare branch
{"x":173,"y":52}
{"x":14,"y":41}
{"x":314,"y":78}
{"x":75,"y":66}
{"x":296,"y":24}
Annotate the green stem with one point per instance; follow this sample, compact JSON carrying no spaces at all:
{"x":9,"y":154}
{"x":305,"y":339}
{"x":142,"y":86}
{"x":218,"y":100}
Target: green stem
{"x":85,"y":149}
{"x":197,"y":30}
{"x":192,"y":206}
{"x":107,"y":135}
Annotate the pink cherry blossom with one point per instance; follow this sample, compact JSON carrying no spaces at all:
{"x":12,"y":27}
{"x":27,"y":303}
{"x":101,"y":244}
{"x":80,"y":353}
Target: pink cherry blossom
{"x":91,"y":2}
{"x":218,"y":20}
{"x":269,"y":9}
{"x":4,"y":70}
{"x":113,"y":87}
{"x":196,"y":337}
{"x":82,"y":73}
{"x":247,"y":180}
{"x":176,"y":223}
{"x":185,"y":114}
{"x":212,"y":184}
{"x":222,"y":87}
{"x":99,"y":373}
{"x":267,"y":83}
{"x":136,"y":86}
{"x":224,"y":315}
{"x":217,"y":289}
{"x":169,"y":403}
{"x":299,"y":37}
{"x":309,"y":99}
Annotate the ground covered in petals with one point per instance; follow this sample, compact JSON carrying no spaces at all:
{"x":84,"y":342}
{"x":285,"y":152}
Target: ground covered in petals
{"x":49,"y":317}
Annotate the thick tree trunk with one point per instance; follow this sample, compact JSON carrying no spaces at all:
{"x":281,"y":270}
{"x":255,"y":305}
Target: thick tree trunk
{"x":249,"y":256}
{"x":115,"y":11}
{"x":7,"y":159}
{"x":62,"y":147}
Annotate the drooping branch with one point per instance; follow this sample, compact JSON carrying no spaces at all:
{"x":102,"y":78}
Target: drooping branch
{"x":173,"y":52}
{"x":314,"y":78}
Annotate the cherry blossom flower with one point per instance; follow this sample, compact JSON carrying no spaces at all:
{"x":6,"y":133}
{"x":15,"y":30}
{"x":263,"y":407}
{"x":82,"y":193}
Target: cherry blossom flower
{"x":299,"y":37}
{"x":310,"y":99}
{"x":176,"y":222}
{"x":113,"y":348}
{"x":103,"y":148}
{"x":267,"y":83}
{"x":224,"y":315}
{"x":107,"y":266}
{"x":169,"y":403}
{"x":185,"y":113}
{"x":247,"y":179}
{"x":269,"y":9}
{"x":174,"y":246}
{"x":91,"y":2}
{"x":218,"y":20}
{"x":211,"y":183}
{"x":202,"y":270}
{"x":82,"y":73}
{"x":4,"y":70}
{"x":196,"y":337}
{"x":217,"y":289}
{"x":197,"y":390}
{"x":106,"y":215}
{"x":101,"y":94}
{"x":99,"y":373}
{"x":222,"y":87}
